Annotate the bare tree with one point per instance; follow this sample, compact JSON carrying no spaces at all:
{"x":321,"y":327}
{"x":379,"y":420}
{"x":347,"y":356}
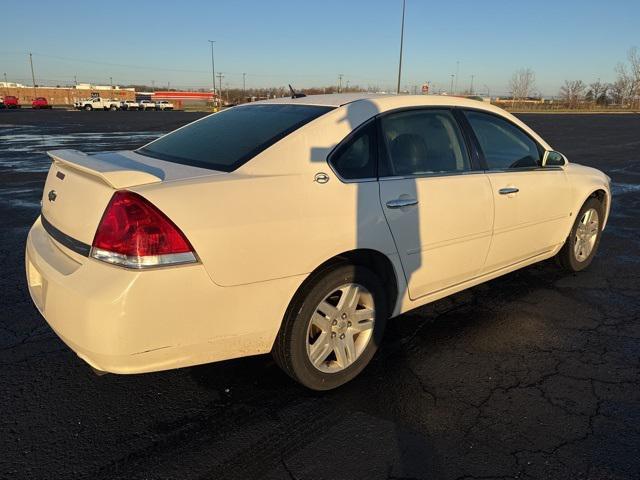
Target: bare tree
{"x":623,"y":88}
{"x":634,"y":76}
{"x":598,"y":92}
{"x":572,"y":92}
{"x":522,"y":83}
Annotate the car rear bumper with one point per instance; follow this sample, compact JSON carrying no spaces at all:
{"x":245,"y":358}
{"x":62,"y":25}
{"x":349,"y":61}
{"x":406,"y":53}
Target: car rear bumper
{"x":128,"y":321}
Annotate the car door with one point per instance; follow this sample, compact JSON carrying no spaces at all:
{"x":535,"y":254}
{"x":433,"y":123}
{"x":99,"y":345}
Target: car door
{"x":532,"y":202}
{"x":438,"y":206}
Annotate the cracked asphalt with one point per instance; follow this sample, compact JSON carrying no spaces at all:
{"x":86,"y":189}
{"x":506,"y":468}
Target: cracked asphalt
{"x":532,"y":375}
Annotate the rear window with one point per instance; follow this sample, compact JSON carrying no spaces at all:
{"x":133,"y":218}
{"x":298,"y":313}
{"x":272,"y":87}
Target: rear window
{"x":228,"y":139}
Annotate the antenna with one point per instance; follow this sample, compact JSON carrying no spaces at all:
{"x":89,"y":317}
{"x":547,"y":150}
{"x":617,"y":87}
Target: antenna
{"x":295,"y":94}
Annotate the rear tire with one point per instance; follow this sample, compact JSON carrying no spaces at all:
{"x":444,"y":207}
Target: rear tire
{"x":88,"y":108}
{"x":327,"y":321}
{"x":578,"y":251}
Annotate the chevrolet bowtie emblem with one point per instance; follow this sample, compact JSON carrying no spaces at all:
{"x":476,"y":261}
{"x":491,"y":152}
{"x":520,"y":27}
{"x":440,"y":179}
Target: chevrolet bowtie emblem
{"x":52,"y":196}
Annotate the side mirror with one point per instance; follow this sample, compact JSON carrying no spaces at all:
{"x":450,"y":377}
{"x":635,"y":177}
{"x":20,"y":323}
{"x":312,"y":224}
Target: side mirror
{"x":553,"y":159}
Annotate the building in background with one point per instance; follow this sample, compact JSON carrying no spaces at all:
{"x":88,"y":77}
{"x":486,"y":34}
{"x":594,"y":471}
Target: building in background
{"x":65,"y":95}
{"x":179,"y":99}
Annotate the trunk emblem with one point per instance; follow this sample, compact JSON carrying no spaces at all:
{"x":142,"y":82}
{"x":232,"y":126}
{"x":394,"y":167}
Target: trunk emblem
{"x":52,"y":196}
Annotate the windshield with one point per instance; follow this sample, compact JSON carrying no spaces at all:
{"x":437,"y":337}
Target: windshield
{"x":228,"y":139}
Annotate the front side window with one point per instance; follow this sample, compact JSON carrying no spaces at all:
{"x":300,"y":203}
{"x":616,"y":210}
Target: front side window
{"x":228,"y":139}
{"x":423,"y":142}
{"x":504,"y":145}
{"x":356,"y":159}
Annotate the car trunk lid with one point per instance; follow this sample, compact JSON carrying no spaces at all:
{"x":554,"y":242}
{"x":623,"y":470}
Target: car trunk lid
{"x":79,"y":186}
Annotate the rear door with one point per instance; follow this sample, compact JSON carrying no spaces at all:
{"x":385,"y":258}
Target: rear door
{"x":531,"y":202}
{"x":438,"y":206}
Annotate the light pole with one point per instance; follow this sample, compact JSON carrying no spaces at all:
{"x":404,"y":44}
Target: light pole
{"x":111,"y":82}
{"x":6,"y":84}
{"x":451,"y":88}
{"x":401,"y":45}
{"x":488,"y":92}
{"x":220,"y":77}
{"x":471,"y":86}
{"x":244,"y":87}
{"x":33,"y":77}
{"x":213,"y":69}
{"x":457,"y":75}
{"x":340,"y":75}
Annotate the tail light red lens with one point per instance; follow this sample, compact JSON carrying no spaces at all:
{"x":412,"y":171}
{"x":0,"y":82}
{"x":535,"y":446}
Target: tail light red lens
{"x":134,"y":233}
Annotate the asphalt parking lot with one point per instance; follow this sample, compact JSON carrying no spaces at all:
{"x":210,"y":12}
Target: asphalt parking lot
{"x":532,"y":375}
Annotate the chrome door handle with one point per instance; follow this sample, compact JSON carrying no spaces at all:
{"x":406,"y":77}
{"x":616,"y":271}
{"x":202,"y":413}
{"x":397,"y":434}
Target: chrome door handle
{"x":401,"y":202}
{"x":508,"y":190}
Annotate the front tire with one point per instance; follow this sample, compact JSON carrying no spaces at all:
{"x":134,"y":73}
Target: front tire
{"x":333,"y":327}
{"x":88,"y":108}
{"x":584,"y":239}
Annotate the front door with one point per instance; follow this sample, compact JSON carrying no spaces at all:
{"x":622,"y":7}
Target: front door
{"x":532,"y":203}
{"x":439,"y":209}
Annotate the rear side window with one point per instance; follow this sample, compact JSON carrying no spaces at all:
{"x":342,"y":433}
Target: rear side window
{"x":504,"y":145}
{"x":228,"y":139}
{"x":421,"y":142}
{"x":357,"y":158}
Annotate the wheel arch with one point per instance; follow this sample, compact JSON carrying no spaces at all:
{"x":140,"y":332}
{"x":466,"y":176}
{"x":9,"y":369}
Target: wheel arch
{"x":599,"y":193}
{"x":376,"y":261}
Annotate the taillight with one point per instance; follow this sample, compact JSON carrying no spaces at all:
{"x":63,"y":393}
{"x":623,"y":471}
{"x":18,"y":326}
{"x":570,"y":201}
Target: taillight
{"x":134,"y":233}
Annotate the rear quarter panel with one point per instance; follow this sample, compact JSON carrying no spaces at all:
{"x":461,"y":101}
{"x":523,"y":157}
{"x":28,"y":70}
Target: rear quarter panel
{"x":269,"y":219}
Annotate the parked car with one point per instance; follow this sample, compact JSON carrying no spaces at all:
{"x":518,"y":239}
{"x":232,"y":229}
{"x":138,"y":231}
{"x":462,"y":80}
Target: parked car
{"x":129,"y":105}
{"x":298,"y":227}
{"x":11,"y":101}
{"x":147,"y":105}
{"x":164,"y":105}
{"x":97,"y":103}
{"x":40,"y":103}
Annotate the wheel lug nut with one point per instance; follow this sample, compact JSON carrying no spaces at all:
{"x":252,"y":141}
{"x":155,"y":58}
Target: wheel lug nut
{"x":333,"y":334}
{"x":348,"y":324}
{"x":335,"y":322}
{"x":344,"y":315}
{"x":342,"y":336}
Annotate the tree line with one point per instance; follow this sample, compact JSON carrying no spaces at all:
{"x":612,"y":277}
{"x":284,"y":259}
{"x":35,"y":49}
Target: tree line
{"x":624,"y":91}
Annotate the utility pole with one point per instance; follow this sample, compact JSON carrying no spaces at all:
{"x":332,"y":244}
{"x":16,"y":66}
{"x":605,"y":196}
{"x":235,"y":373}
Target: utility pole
{"x":244,"y":87}
{"x":111,"y":82}
{"x":220,"y":77}
{"x":451,"y":88}
{"x":471,"y":87}
{"x":213,"y":69}
{"x":75,"y":80}
{"x":401,"y":45}
{"x":33,"y":77}
{"x":457,"y":75}
{"x":488,"y":92}
{"x":6,"y":84}
{"x":340,"y":75}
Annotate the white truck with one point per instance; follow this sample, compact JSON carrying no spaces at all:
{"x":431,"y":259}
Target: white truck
{"x":164,"y":105}
{"x":147,"y":105}
{"x":97,"y":103}
{"x":129,"y":105}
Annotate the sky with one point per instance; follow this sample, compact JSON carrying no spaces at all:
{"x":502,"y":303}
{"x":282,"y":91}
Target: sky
{"x":305,"y":43}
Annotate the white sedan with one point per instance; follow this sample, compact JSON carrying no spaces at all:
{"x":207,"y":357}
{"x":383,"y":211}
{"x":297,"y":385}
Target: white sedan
{"x":298,"y":227}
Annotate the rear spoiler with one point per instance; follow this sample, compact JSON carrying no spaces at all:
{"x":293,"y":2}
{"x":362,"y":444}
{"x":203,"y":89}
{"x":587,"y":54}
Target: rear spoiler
{"x":118,"y":173}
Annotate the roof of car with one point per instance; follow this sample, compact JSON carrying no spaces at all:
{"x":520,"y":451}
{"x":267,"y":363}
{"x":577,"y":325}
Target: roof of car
{"x":389,"y":99}
{"x":372,"y":103}
{"x":329,"y":100}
